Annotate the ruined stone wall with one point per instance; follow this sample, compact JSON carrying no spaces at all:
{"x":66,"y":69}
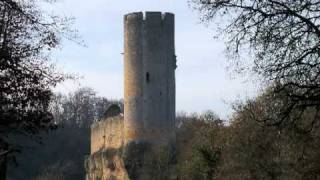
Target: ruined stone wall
{"x":112,"y":158}
{"x":106,"y":160}
{"x":107,"y":133}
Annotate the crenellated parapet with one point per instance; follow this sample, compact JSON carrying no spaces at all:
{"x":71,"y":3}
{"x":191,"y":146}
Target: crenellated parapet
{"x":153,"y":17}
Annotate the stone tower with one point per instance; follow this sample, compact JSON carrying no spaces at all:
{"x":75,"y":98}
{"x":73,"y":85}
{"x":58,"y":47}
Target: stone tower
{"x":149,"y":73}
{"x":133,"y":146}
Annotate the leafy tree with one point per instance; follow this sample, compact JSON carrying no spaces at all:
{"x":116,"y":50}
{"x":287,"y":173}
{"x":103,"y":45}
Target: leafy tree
{"x":199,"y":145}
{"x":284,"y":36}
{"x":27,"y":35}
{"x":255,"y":150}
{"x":248,"y":147}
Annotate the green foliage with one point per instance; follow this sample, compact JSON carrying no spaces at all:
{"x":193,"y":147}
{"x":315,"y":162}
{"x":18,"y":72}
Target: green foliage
{"x":199,"y":146}
{"x":161,"y":162}
{"x":251,"y":146}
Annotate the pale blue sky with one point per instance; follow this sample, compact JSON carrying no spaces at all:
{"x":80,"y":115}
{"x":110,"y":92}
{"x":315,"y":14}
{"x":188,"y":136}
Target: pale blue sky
{"x":201,"y":77}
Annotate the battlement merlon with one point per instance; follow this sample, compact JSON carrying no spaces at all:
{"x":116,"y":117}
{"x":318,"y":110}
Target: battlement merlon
{"x":164,"y":18}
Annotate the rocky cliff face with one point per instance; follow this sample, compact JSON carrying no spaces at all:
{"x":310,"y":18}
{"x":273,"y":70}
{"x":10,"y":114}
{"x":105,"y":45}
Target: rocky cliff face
{"x":114,"y":159}
{"x":105,"y":161}
{"x":106,"y":165}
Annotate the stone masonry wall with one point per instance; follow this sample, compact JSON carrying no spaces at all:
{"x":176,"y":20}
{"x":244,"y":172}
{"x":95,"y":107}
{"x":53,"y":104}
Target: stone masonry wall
{"x":112,"y":158}
{"x":105,"y":161}
{"x":107,"y":133}
{"x":149,"y":75}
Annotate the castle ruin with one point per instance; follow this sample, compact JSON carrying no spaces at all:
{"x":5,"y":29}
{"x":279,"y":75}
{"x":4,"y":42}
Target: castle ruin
{"x":129,"y":146}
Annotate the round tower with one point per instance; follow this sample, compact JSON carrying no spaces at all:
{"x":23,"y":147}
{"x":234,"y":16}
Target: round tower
{"x":133,"y":74}
{"x":149,"y":73}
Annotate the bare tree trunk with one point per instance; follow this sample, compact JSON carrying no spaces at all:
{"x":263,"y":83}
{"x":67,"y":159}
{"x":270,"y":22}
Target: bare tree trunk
{"x":3,"y":159}
{"x":3,"y":167}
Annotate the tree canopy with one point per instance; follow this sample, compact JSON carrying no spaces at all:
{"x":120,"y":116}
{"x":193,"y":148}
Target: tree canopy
{"x":27,"y":76}
{"x":284,"y":37}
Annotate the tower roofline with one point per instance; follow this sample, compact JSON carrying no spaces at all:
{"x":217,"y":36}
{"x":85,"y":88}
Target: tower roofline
{"x":149,"y":14}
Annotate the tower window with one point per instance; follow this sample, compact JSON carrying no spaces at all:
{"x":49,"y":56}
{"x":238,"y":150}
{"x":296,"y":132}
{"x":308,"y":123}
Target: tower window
{"x":147,"y":77}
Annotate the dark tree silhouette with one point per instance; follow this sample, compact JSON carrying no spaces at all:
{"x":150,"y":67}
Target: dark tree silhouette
{"x":285,"y":38}
{"x":61,"y":153}
{"x":26,"y":75}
